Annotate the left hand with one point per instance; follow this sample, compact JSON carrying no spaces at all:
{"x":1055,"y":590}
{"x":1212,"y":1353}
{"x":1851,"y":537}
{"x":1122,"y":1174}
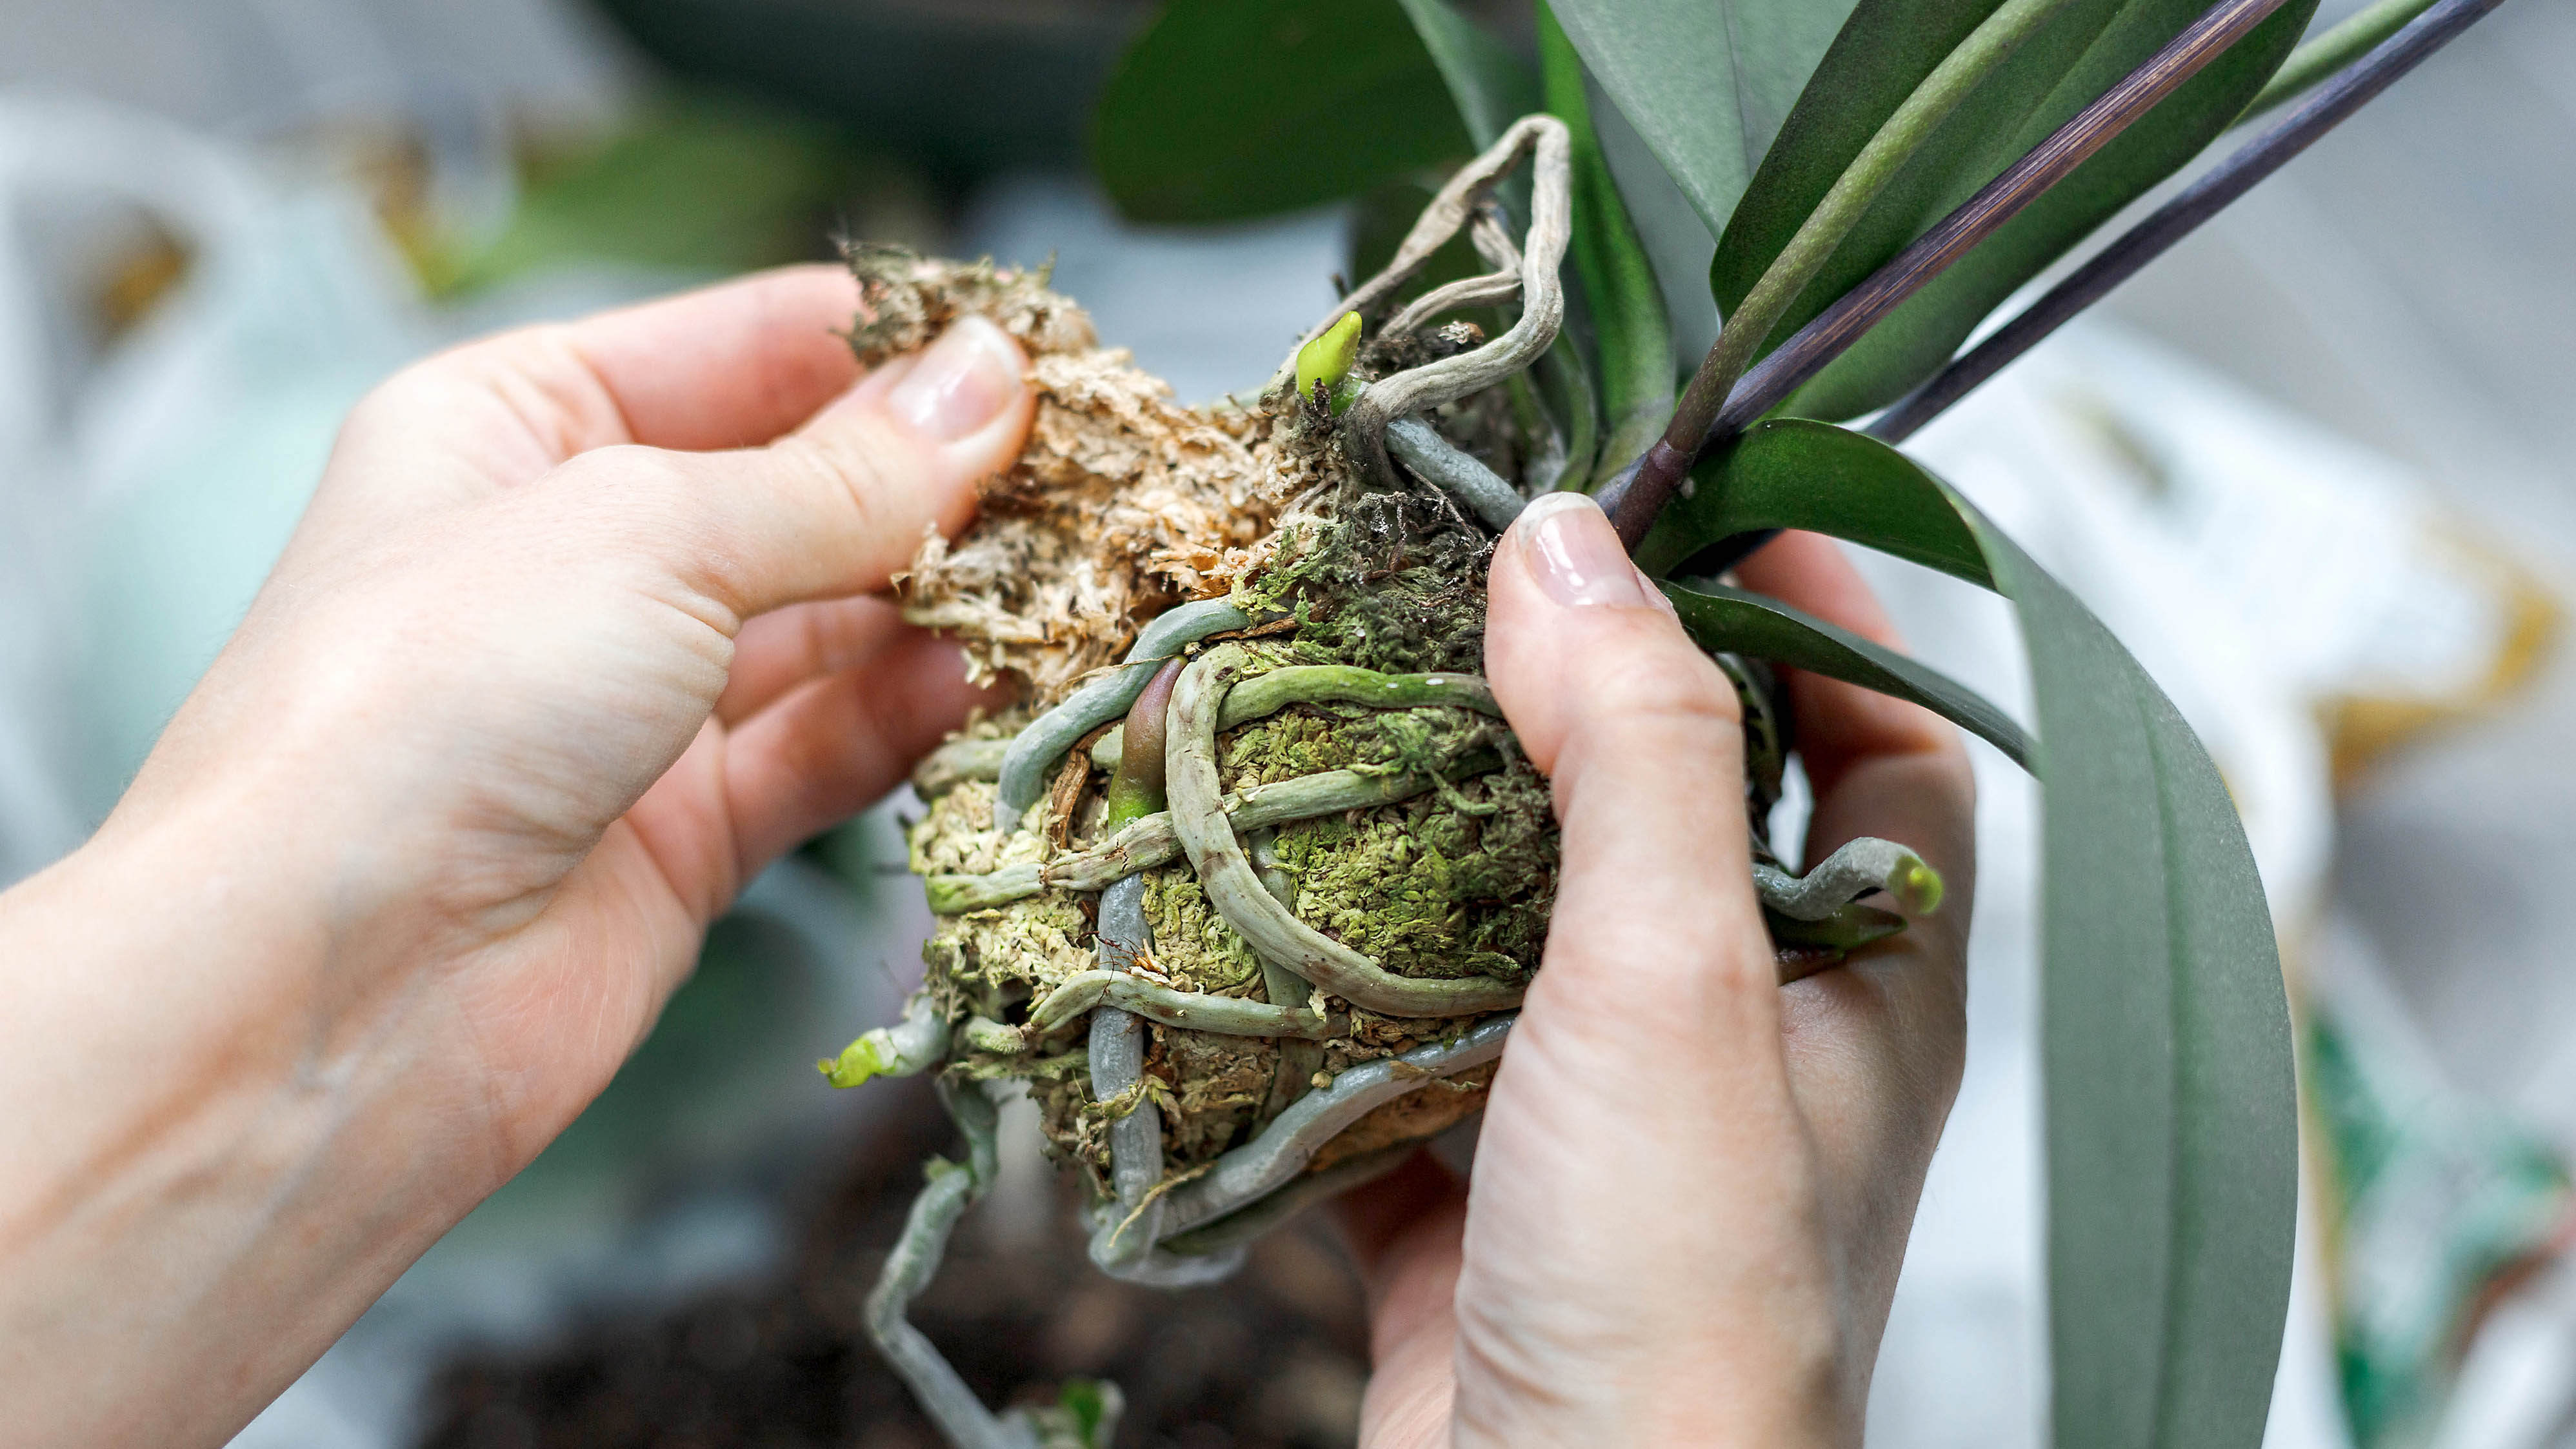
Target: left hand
{"x":576,"y":635}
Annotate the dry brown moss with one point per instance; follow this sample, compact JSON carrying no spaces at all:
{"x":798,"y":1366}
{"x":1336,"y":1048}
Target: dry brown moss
{"x":1123,"y":503}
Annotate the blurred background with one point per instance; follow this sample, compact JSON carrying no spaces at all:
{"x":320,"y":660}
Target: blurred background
{"x":2312,"y":466}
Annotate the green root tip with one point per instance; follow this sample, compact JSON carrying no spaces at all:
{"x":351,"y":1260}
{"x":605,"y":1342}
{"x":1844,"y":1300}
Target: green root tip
{"x":857,"y":1062}
{"x":1921,"y":891}
{"x":1327,"y":359}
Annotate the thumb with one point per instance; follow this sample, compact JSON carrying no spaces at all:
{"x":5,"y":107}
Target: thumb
{"x":838,"y":506}
{"x":1640,"y":735}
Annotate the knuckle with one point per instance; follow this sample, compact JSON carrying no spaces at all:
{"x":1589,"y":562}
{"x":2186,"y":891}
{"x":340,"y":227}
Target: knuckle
{"x":858,"y":470}
{"x":1671,"y":686}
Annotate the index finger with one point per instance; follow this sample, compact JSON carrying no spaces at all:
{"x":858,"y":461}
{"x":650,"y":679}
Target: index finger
{"x":1876,"y":1049}
{"x":1841,"y":725}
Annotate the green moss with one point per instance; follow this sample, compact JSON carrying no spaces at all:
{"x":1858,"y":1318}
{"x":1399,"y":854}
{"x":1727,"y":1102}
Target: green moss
{"x":1193,"y":945}
{"x":1440,"y":886}
{"x":1306,"y":739}
{"x":1391,"y":581}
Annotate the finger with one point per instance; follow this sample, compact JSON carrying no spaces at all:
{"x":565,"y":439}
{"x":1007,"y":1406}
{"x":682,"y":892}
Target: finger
{"x":835,"y":745}
{"x":1875,"y":1048}
{"x":1646,"y":1068}
{"x":832,"y":509}
{"x":785,"y":648}
{"x":1642,"y":741}
{"x":1404,"y":1231}
{"x":1841,"y":724}
{"x":727,"y":366}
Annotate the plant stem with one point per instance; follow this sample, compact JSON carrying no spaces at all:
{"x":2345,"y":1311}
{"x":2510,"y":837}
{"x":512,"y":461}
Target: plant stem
{"x":1898,"y":138}
{"x":2323,"y":55}
{"x":2169,"y":223}
{"x":1637,"y":499}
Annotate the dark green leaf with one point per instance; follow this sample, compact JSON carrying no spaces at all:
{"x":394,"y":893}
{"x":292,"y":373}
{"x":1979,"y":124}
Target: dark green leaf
{"x":1623,"y":300}
{"x":1884,"y":51}
{"x":1226,"y":109}
{"x":1705,"y":82}
{"x":1491,"y":86}
{"x":2172,"y":1124}
{"x":1744,"y":623}
{"x":1791,"y":473}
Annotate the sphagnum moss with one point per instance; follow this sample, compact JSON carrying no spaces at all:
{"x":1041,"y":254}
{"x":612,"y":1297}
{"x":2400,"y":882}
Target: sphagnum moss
{"x":1264,"y":1004}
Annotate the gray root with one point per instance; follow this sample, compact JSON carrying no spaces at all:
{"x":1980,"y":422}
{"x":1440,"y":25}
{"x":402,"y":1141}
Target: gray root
{"x":1278,"y":983}
{"x":1148,"y":842}
{"x":1258,"y":1218}
{"x":953,"y":1187}
{"x":1433,"y":458}
{"x":1126,"y":1227}
{"x":1273,"y":1159}
{"x":1189,"y":1010}
{"x":957,"y":762}
{"x":1235,"y":889}
{"x":1493,"y":242}
{"x":1418,"y":389}
{"x":1267,"y":694}
{"x":1117,"y":1047}
{"x":1034,"y":751}
{"x":1457,"y":204}
{"x":1484,"y":291}
{"x":1858,"y":869}
{"x":908,"y":1048}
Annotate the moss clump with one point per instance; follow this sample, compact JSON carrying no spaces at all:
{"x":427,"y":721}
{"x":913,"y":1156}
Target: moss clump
{"x":1193,"y":945}
{"x":1387,"y":581}
{"x":1308,"y":738}
{"x":1444,"y":886}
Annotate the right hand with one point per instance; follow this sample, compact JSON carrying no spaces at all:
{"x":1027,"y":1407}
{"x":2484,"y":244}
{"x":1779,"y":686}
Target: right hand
{"x":1694,"y":1186}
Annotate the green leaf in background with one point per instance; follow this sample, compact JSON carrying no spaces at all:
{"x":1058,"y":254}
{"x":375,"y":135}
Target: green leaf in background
{"x":1707,"y":83}
{"x":2171,"y":1112}
{"x":1379,"y":221}
{"x":697,"y":182}
{"x":1792,"y":473}
{"x":1623,"y":300}
{"x":1491,"y":86}
{"x":1884,"y":51}
{"x":1229,"y":109}
{"x":1718,"y":617}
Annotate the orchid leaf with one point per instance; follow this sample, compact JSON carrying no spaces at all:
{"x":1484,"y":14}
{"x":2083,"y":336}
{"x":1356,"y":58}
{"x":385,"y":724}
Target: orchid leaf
{"x":1719,"y":617}
{"x":2171,"y":1112}
{"x":1227,"y":109}
{"x":1882,"y":53}
{"x":1791,"y":473}
{"x":1623,"y":298}
{"x":1707,"y":83}
{"x":1491,"y":86}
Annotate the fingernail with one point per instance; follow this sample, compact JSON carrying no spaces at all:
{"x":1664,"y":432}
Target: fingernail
{"x":1575,"y":554}
{"x":963,"y":382}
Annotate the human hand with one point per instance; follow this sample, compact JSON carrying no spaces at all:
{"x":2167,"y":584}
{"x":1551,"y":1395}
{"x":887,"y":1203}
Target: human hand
{"x":1693,"y":1186}
{"x":574,"y":637}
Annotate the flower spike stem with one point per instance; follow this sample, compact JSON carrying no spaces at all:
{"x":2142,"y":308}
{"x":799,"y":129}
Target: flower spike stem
{"x":1637,"y":498}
